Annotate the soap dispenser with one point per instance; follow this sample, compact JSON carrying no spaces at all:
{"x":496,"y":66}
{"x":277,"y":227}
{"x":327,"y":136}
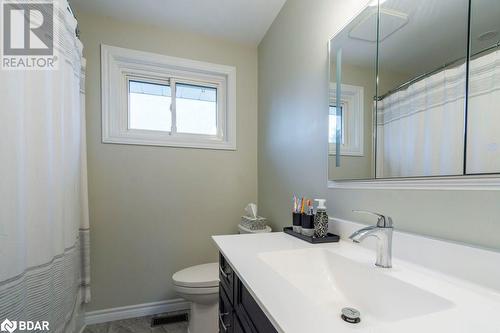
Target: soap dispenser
{"x":320,"y":219}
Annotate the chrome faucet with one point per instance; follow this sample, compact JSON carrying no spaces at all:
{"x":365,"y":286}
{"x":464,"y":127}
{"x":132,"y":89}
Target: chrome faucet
{"x":383,"y":232}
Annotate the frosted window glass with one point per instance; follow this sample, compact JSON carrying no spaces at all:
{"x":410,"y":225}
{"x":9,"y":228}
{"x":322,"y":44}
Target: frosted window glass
{"x":149,"y":106}
{"x":196,"y":109}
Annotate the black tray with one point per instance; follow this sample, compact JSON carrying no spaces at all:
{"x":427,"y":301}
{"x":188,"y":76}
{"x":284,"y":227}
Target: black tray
{"x":330,"y":238}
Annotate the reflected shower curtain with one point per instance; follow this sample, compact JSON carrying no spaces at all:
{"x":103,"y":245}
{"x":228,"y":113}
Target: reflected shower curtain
{"x":420,"y":130}
{"x":483,"y":140}
{"x":43,"y":189}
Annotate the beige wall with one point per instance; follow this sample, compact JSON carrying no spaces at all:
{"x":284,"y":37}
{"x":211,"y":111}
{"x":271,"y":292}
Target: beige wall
{"x":293,"y":131}
{"x":153,"y":209}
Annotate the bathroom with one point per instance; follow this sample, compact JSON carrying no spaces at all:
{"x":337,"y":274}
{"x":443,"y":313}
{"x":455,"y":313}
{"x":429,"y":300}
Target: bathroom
{"x":142,"y":142}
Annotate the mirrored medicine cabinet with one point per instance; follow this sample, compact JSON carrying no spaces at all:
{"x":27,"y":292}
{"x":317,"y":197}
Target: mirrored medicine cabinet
{"x":414,"y":91}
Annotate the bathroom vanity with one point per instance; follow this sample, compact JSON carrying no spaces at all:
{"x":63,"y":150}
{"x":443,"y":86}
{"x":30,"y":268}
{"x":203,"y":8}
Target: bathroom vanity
{"x":278,"y":283}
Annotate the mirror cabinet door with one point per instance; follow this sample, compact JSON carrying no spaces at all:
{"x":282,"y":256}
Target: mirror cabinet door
{"x":400,"y":73}
{"x":352,"y":88}
{"x":483,"y":113}
{"x":422,"y":86}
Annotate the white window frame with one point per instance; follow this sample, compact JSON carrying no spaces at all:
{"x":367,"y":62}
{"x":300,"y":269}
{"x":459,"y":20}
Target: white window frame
{"x":352,"y":103}
{"x":120,"y":65}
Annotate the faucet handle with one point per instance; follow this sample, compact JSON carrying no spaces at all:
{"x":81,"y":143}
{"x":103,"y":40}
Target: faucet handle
{"x":382,"y":222}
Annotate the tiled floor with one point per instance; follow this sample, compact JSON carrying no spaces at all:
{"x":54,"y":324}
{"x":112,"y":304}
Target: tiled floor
{"x":136,"y":325}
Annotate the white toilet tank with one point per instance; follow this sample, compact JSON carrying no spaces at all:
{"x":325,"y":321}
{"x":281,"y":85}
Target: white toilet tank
{"x":243,"y":230}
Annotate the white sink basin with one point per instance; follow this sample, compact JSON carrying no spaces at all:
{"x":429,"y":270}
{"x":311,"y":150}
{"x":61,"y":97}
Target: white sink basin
{"x":341,"y":282}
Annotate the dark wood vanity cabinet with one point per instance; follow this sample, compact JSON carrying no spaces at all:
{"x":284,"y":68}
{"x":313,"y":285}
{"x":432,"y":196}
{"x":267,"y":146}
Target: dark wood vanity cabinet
{"x":238,"y":311}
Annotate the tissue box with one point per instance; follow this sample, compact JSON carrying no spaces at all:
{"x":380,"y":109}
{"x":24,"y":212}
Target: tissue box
{"x":253,"y":223}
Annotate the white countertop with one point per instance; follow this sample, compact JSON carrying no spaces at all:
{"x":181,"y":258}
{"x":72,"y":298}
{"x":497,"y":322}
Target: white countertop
{"x":472,"y":308}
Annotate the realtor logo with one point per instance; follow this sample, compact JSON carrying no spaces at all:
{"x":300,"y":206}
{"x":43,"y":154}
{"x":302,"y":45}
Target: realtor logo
{"x":28,"y":28}
{"x":28,"y":35}
{"x":22,"y":325}
{"x":8,"y":326}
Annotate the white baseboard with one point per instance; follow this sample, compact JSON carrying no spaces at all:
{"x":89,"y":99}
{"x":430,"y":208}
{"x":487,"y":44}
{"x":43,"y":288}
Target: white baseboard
{"x":134,"y":311}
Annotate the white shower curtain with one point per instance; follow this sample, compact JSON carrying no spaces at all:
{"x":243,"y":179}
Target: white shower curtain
{"x":420,"y":129}
{"x":43,"y":189}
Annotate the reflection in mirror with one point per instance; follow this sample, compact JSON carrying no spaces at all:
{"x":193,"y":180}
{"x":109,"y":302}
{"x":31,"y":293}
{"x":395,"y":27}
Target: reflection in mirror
{"x":422,"y":85}
{"x":352,"y":89}
{"x":483,"y":118}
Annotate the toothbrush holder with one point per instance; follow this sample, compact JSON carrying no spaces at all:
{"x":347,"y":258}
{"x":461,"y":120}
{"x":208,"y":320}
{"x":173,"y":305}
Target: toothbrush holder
{"x":297,"y":222}
{"x":307,"y":225}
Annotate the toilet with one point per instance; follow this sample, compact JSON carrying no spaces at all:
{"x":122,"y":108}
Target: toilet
{"x":200,"y":285}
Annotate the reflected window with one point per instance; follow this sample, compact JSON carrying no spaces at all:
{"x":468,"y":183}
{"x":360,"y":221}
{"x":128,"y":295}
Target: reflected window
{"x":334,"y":118}
{"x":349,"y":114}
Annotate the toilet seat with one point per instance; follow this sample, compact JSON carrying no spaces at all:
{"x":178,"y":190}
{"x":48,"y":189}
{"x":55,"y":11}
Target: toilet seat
{"x":200,"y":277}
{"x":197,"y":290}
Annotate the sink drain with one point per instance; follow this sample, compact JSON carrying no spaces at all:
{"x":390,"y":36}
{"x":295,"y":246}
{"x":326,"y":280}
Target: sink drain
{"x":350,"y":315}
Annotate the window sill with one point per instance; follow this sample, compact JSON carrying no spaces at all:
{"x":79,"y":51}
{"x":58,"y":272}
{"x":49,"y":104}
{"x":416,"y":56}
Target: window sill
{"x":175,"y":143}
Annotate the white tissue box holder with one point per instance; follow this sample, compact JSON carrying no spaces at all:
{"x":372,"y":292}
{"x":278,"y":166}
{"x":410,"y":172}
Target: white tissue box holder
{"x":253,"y":223}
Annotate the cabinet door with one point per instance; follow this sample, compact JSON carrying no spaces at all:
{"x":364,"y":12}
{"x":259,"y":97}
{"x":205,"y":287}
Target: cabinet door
{"x":226,"y":313}
{"x":249,"y":312}
{"x":226,"y":277}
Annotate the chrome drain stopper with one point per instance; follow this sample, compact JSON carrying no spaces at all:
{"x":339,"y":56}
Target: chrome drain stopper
{"x":350,"y":315}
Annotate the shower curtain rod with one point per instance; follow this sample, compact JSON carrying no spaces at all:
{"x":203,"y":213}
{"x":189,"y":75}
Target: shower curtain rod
{"x":423,"y":76}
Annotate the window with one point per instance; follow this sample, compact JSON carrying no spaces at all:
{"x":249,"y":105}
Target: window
{"x":151,"y":99}
{"x":350,"y":112}
{"x":150,"y":107}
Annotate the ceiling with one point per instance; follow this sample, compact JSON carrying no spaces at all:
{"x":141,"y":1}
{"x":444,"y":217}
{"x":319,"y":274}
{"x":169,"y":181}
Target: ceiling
{"x":242,"y":21}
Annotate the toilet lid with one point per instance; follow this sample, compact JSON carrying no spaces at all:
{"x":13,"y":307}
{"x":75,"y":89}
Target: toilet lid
{"x":205,"y":275}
